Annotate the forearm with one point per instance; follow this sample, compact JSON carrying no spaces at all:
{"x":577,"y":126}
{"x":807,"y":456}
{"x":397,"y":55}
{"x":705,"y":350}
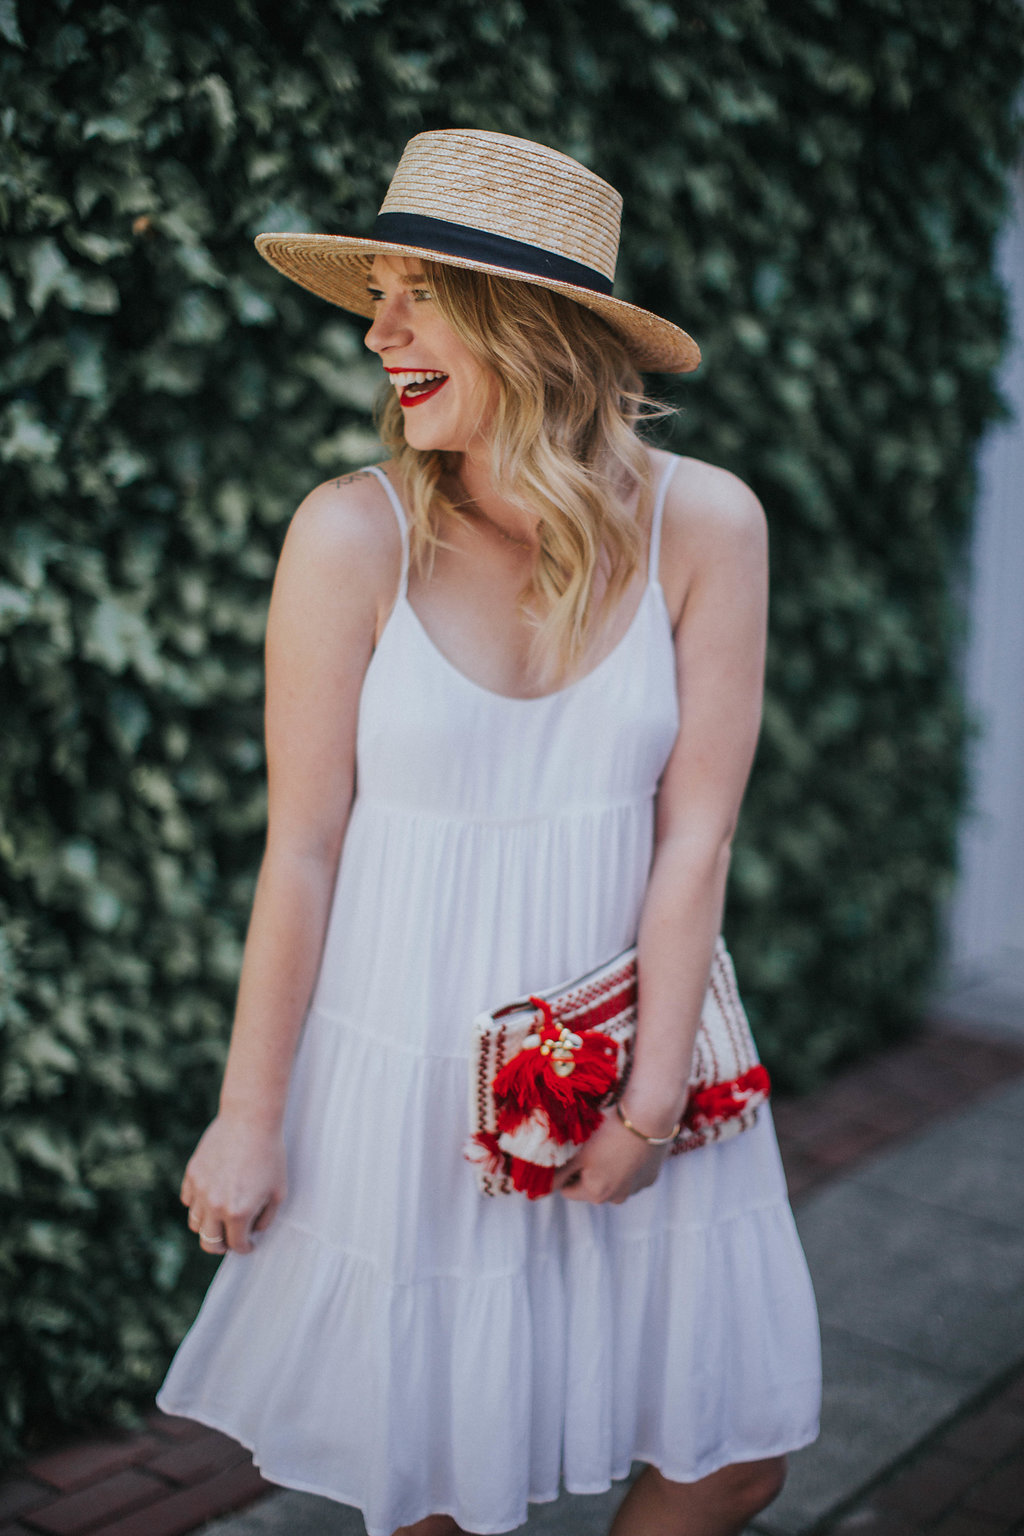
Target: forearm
{"x":282,"y":955}
{"x":680,"y":922}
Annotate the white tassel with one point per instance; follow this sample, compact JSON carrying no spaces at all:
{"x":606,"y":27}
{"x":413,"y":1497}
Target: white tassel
{"x":531,"y":1140}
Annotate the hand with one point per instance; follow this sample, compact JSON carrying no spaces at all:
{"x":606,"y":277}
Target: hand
{"x":612,"y":1165}
{"x":234,"y":1182}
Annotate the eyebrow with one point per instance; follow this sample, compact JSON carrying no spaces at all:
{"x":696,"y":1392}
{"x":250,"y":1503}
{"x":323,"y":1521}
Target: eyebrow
{"x":408,"y":280}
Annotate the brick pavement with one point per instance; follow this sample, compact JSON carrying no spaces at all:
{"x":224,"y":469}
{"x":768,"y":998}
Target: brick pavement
{"x":169,"y":1478}
{"x":172,"y":1477}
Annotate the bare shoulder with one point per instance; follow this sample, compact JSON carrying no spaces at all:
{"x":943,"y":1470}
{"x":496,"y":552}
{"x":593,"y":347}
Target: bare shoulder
{"x":705,"y":498}
{"x":713,"y":523}
{"x":348,"y":520}
{"x":342,"y":555}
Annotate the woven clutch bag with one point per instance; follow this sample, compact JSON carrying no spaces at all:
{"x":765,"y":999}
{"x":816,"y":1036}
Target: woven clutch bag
{"x":544,"y":1069}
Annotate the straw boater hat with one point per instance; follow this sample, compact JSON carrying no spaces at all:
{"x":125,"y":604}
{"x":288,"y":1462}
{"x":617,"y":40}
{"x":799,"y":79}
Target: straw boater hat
{"x":494,"y":204}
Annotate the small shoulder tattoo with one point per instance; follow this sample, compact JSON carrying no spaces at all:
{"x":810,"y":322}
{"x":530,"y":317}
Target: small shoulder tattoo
{"x":357,"y":474}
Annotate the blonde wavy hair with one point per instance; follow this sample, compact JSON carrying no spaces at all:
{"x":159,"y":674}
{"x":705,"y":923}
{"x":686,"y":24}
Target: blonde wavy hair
{"x":564,"y":447}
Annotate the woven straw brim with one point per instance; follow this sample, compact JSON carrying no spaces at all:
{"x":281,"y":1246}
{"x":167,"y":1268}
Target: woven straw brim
{"x":334,"y":267}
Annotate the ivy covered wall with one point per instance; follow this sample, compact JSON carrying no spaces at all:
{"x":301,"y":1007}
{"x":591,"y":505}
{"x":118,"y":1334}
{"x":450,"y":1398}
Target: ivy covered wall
{"x":812,"y":188}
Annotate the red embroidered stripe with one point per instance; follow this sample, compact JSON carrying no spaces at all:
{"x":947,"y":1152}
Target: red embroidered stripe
{"x":599,"y":1013}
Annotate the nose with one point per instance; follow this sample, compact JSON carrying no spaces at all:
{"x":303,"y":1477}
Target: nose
{"x":389,"y":328}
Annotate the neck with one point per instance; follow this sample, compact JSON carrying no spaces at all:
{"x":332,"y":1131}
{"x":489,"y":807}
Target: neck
{"x":474,"y":489}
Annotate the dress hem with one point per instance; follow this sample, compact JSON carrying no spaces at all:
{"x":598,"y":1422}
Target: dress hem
{"x":298,"y":1485}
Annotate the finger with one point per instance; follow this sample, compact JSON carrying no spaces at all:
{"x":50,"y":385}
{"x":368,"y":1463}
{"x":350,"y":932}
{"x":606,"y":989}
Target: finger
{"x":194,"y":1222}
{"x":211,"y":1239}
{"x":575,"y":1188}
{"x":267,"y":1215}
{"x":186,"y":1192}
{"x":568,"y":1173}
{"x":238,"y":1233}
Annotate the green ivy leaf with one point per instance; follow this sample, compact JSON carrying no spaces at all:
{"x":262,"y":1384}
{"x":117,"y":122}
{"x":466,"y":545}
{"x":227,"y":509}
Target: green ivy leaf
{"x":52,"y":1150}
{"x":9,"y":29}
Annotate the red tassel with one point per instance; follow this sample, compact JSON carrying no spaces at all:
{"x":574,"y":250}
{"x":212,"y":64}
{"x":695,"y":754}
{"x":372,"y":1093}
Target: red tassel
{"x":533,"y":1180}
{"x":567,"y":1082}
{"x":495,"y":1160}
{"x":724,"y":1101}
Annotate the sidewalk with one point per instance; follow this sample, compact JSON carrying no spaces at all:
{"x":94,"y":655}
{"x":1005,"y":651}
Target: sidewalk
{"x":918,"y":1264}
{"x":907,"y":1174}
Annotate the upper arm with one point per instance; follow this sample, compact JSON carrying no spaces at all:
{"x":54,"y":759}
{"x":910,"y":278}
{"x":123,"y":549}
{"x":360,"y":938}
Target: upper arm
{"x":715,"y":572}
{"x":338,"y":573}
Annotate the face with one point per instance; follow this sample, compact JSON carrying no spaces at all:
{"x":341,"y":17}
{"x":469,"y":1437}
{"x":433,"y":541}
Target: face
{"x":446,"y":396}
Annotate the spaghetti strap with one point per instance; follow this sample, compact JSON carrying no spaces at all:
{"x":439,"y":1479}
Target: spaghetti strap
{"x":656,"y":520}
{"x":403,"y":526}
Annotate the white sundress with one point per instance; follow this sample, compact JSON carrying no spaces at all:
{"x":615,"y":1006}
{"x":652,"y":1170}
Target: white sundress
{"x":398,"y":1341}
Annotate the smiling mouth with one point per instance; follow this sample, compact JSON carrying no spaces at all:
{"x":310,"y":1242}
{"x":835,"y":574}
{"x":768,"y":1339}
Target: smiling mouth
{"x":416,"y":386}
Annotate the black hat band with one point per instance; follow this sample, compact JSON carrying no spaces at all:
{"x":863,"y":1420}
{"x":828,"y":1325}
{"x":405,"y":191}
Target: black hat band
{"x":479,"y":245}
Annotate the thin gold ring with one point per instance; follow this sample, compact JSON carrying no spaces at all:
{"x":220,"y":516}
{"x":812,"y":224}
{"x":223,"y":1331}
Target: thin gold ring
{"x":208,"y":1239}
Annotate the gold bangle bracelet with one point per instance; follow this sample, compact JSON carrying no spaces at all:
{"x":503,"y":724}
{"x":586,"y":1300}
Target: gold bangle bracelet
{"x":652,"y":1141}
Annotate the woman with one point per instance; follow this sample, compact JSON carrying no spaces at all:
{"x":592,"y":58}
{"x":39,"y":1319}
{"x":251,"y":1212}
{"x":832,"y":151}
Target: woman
{"x":513,"y":691}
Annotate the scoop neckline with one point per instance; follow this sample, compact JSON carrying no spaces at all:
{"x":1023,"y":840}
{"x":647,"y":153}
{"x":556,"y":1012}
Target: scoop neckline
{"x":558,"y":693}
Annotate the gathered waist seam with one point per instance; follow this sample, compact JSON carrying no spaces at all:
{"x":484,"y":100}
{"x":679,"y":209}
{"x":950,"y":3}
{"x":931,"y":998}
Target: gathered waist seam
{"x":563,"y":813}
{"x":338,"y":1016}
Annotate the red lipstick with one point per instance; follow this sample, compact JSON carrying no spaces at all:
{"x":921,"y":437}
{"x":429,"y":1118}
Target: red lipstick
{"x":428,"y":394}
{"x":405,"y":398}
